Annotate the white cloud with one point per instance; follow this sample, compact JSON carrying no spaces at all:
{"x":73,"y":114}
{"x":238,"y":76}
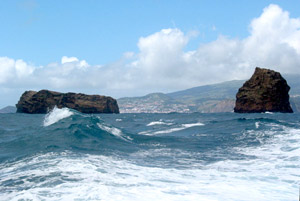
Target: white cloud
{"x":161,"y":55}
{"x":11,"y":69}
{"x":162,"y":64}
{"x":6,"y":70}
{"x":74,"y":60}
{"x":66,"y":59}
{"x":276,"y":27}
{"x":274,"y":40}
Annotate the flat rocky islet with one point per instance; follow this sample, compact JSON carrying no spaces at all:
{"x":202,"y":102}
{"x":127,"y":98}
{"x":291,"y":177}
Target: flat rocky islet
{"x":42,"y":101}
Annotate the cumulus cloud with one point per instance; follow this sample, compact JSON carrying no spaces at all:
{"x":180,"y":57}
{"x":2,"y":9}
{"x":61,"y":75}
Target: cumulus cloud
{"x":11,"y":69}
{"x":74,"y":60}
{"x":162,"y":64}
{"x":274,"y":42}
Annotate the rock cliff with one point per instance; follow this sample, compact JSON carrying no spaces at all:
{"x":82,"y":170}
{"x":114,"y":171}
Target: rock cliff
{"x":41,"y":102}
{"x":266,"y":91}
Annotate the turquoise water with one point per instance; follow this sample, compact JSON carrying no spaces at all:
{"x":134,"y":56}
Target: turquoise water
{"x":66,"y":155}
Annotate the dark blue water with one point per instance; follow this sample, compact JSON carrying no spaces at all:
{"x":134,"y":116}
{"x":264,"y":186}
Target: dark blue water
{"x":66,"y":155}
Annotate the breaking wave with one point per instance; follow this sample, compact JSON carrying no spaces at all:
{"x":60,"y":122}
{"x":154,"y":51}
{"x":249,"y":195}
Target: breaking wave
{"x":114,"y":131}
{"x":56,"y":115}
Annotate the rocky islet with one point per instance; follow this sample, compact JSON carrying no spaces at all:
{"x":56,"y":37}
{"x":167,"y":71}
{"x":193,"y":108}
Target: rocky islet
{"x":42,"y":101}
{"x":265,"y":91}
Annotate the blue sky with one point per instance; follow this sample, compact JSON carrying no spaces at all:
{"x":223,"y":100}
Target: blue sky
{"x":129,"y":48}
{"x":101,"y":31}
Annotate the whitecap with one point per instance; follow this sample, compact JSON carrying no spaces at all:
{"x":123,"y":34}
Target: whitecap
{"x":192,"y":125}
{"x":114,"y":131}
{"x":171,"y":130}
{"x":153,"y":123}
{"x":269,"y":112}
{"x":56,"y":115}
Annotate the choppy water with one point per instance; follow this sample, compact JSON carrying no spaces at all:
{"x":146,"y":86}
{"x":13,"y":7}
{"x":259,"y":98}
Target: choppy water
{"x":66,"y":155}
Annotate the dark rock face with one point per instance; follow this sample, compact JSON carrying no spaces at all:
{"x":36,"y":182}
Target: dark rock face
{"x":44,"y":100}
{"x":266,"y":91}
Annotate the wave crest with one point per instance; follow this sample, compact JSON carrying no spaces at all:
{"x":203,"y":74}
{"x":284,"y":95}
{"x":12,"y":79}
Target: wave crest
{"x":171,"y":130}
{"x":56,"y":115}
{"x":153,"y":123}
{"x":114,"y":131}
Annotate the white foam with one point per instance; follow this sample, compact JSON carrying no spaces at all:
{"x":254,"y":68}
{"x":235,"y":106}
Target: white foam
{"x":92,"y":177}
{"x":56,"y":115}
{"x":269,"y":112}
{"x":114,"y":131}
{"x":153,"y":123}
{"x":171,"y":130}
{"x":256,"y":124}
{"x":192,"y":125}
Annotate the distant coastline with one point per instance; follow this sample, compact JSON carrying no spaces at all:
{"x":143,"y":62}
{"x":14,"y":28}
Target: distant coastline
{"x":213,"y":98}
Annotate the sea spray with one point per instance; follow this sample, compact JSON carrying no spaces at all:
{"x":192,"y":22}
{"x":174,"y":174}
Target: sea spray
{"x":56,"y":115}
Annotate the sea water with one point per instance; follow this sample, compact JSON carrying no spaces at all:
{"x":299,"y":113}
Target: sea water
{"x":66,"y":155}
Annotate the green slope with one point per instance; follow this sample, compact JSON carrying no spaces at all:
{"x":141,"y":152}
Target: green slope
{"x":220,"y":91}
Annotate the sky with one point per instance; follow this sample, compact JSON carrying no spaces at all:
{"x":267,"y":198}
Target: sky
{"x":131,"y":48}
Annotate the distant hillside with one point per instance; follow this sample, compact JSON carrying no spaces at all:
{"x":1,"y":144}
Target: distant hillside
{"x":151,"y":103}
{"x":8,"y":109}
{"x":207,"y":99}
{"x":220,"y":91}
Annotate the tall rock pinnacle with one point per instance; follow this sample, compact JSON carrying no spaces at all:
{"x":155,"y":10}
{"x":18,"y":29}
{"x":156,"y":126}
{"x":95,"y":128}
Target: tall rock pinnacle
{"x":266,"y":91}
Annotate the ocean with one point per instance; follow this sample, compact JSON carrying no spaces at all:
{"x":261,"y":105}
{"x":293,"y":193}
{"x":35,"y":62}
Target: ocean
{"x":66,"y":155}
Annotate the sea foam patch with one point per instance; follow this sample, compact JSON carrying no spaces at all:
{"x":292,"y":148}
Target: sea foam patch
{"x":71,"y":176}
